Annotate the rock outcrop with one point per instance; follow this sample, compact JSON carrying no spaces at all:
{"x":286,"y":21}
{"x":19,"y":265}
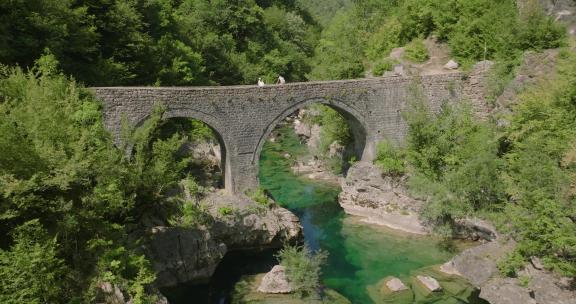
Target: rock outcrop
{"x":275,"y":281}
{"x":429,"y":282}
{"x":505,"y":291}
{"x":479,"y":266}
{"x":475,"y":229}
{"x":191,"y":255}
{"x":380,"y":199}
{"x":108,"y":293}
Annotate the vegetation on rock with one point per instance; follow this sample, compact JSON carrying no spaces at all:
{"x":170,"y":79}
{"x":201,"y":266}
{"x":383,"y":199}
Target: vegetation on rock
{"x":522,"y":175}
{"x":303,"y":268}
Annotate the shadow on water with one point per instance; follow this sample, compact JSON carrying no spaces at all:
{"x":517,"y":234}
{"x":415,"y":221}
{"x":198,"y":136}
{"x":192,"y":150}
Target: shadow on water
{"x":227,"y":274}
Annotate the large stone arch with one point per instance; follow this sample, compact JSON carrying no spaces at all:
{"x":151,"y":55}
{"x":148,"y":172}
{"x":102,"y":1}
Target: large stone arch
{"x":218,"y":130}
{"x":354,"y":117}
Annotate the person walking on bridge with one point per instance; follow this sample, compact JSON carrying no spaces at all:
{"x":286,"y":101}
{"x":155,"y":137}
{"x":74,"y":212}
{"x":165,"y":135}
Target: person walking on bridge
{"x":280,"y":80}
{"x":260,"y":82}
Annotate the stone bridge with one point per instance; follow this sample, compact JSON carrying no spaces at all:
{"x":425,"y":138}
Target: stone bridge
{"x":244,"y":116}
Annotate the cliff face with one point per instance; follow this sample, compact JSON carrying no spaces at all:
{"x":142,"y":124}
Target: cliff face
{"x":191,"y":255}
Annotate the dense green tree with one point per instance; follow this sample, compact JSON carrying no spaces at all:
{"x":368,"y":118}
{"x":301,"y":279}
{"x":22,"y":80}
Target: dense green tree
{"x":74,"y":193}
{"x":162,"y":42}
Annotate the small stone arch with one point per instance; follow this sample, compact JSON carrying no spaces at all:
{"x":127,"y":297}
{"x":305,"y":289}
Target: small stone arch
{"x":355,"y":119}
{"x":218,"y":130}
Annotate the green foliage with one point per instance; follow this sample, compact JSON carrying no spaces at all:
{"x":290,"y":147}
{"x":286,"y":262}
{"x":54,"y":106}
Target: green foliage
{"x":390,"y":159}
{"x":382,"y":66}
{"x":336,"y":54}
{"x":540,"y":173}
{"x":416,"y":51}
{"x":324,"y":10}
{"x":474,"y":29}
{"x":524,"y":281}
{"x":190,"y":215}
{"x":511,"y":263}
{"x":260,"y":197}
{"x":455,"y":162}
{"x":75,"y":193}
{"x":31,"y":271}
{"x":303,"y":268}
{"x":161,"y":42}
{"x":524,"y":177}
{"x":225,"y":211}
{"x":384,"y":39}
{"x":334,"y":129}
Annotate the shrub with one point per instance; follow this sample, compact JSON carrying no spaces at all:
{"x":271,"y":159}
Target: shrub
{"x":416,"y":51}
{"x":383,"y":66}
{"x":303,"y":268}
{"x":225,"y":210}
{"x":510,"y":264}
{"x":390,"y":159}
{"x":190,"y":214}
{"x":260,"y":197}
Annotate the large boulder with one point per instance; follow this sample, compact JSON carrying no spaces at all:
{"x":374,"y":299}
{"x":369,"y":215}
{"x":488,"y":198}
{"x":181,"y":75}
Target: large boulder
{"x":275,"y":281}
{"x":479,"y":264}
{"x":548,"y":288}
{"x":429,"y":282}
{"x":505,"y":291}
{"x":475,"y":229}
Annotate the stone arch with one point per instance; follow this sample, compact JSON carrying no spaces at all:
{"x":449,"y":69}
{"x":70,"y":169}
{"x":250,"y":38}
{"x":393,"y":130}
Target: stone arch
{"x":355,"y":119}
{"x":218,"y":130}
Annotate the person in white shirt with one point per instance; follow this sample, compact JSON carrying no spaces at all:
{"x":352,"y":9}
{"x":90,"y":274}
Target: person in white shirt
{"x":260,"y":82}
{"x":280,"y":80}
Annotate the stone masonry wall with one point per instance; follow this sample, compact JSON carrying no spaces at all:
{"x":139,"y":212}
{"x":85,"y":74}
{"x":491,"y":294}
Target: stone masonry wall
{"x":244,"y":116}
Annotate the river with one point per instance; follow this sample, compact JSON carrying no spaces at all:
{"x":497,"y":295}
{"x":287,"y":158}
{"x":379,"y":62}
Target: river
{"x":360,"y":255}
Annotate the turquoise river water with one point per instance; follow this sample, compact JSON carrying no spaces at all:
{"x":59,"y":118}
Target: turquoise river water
{"x":360,"y":255}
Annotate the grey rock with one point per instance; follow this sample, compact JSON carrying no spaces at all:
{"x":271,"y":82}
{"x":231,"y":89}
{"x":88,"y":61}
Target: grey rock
{"x":479,"y":264}
{"x":449,"y":268}
{"x":451,"y":65}
{"x":395,"y":285}
{"x":549,"y":288}
{"x":275,"y":281}
{"x":475,"y":229}
{"x":110,"y":294}
{"x":380,"y":199}
{"x":399,"y":70}
{"x":537,"y":263}
{"x":190,"y":255}
{"x":505,"y":291}
{"x":184,"y":255}
{"x":429,"y":282}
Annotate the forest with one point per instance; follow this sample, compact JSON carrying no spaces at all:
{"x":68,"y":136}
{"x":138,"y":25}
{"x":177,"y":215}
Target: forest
{"x":71,"y":202}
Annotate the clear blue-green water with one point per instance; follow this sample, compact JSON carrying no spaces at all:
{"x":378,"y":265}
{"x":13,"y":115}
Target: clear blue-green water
{"x":360,"y":254}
